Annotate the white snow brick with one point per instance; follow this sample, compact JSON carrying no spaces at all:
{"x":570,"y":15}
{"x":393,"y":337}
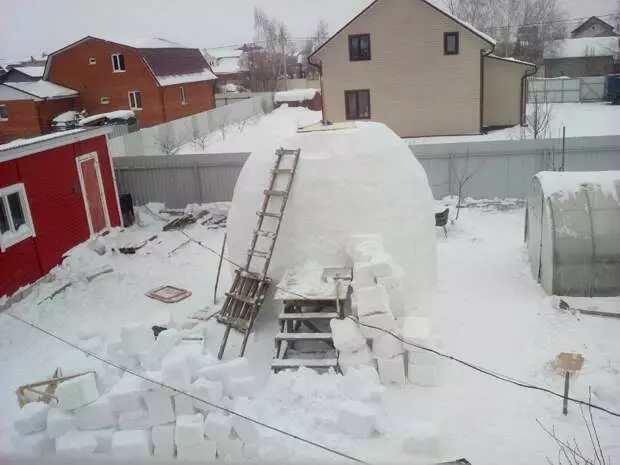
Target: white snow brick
{"x":347,"y":335}
{"x":386,"y":346}
{"x":104,"y":439}
{"x":35,"y":444}
{"x":136,"y":338}
{"x":243,"y":387}
{"x":32,"y":418}
{"x":371,"y":300}
{"x":115,"y":354}
{"x":165,"y":342}
{"x":361,"y":357}
{"x":246,"y":430}
{"x":362,"y":275}
{"x":60,"y":423}
{"x":416,"y":330}
{"x":130,"y":444}
{"x":77,"y":392}
{"x":357,"y":419}
{"x":210,"y":391}
{"x":382,"y":265}
{"x":423,"y":439}
{"x":94,"y":345}
{"x":422,"y":375}
{"x":183,"y":405}
{"x":148,"y":385}
{"x":365,"y":249}
{"x":203,"y":451}
{"x":237,"y":368}
{"x":191,"y":352}
{"x":163,"y":441}
{"x":384,"y":321}
{"x":159,"y":407}
{"x":355,"y":240}
{"x":125,"y":395}
{"x":218,"y":427}
{"x":391,"y":370}
{"x":421,"y":357}
{"x":396,"y":294}
{"x":134,"y":419}
{"x":148,"y":361}
{"x":76,"y":444}
{"x":189,"y":430}
{"x":175,"y":372}
{"x":362,"y":383}
{"x":230,"y":450}
{"x":96,"y":415}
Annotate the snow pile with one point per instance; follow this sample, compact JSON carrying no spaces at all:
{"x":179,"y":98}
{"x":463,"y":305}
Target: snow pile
{"x":296,"y":95}
{"x":118,"y":115}
{"x":66,"y":117}
{"x":567,"y":183}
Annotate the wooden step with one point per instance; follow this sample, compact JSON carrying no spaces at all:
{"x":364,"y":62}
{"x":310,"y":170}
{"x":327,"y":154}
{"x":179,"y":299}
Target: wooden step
{"x":259,"y":253}
{"x":284,"y":363}
{"x":276,"y":193}
{"x":309,"y":316}
{"x":287,"y":152}
{"x":269,"y":214}
{"x":242,"y":298}
{"x":263,"y":233}
{"x":304,"y":336}
{"x":282,"y":171}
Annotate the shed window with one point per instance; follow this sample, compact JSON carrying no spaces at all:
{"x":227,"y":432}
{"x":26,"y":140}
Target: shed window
{"x":93,"y":61}
{"x":15,"y":220}
{"x":135,"y":100}
{"x":359,"y":47}
{"x":451,"y":43}
{"x":4,"y":113}
{"x":183,"y":101}
{"x":104,"y":100}
{"x":118,"y":62}
{"x":357,"y":104}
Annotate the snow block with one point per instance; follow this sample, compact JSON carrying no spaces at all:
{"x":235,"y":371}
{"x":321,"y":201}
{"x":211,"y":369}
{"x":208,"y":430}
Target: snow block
{"x":125,"y":395}
{"x":203,"y":451}
{"x":94,"y":345}
{"x":396,"y":294}
{"x":347,"y":335}
{"x":114,"y":353}
{"x":218,"y":427}
{"x":385,"y":321}
{"x":183,"y":405}
{"x":246,"y":430}
{"x":163,"y":441}
{"x":35,"y":444}
{"x":59,"y":422}
{"x":422,"y":375}
{"x":391,"y":370}
{"x":104,"y":440}
{"x":422,"y":440}
{"x":77,"y":392}
{"x":354,"y":241}
{"x":362,"y":383}
{"x":243,"y":387}
{"x":148,"y":361}
{"x":237,"y":368}
{"x":191,"y":352}
{"x":136,"y":338}
{"x":230,"y":450}
{"x":357,"y":419}
{"x":159,"y":407}
{"x":175,"y":372}
{"x":362,"y":275}
{"x":365,"y":250}
{"x":386,"y":346}
{"x":165,"y":342}
{"x":371,"y":300}
{"x":421,"y":357}
{"x":210,"y":391}
{"x":130,"y":444}
{"x":416,"y":330}
{"x":96,"y":415}
{"x":76,"y":444}
{"x":32,"y":418}
{"x":382,"y":265}
{"x":134,"y":419}
{"x":361,"y":357}
{"x":189,"y":430}
{"x":148,"y":385}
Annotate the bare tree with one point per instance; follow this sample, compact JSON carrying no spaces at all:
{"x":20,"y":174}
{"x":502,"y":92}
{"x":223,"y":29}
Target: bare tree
{"x":539,"y":114}
{"x":319,"y":37}
{"x":462,"y":178}
{"x":168,"y":142}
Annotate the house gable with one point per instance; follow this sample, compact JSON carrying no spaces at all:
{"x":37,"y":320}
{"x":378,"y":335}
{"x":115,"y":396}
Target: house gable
{"x":593,"y":27}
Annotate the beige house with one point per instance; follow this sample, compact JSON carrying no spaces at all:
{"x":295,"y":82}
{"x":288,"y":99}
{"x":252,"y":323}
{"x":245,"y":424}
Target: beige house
{"x":418,"y":69}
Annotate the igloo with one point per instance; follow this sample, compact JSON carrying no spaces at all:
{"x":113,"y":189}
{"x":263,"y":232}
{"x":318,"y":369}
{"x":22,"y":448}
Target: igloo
{"x":352,"y":178}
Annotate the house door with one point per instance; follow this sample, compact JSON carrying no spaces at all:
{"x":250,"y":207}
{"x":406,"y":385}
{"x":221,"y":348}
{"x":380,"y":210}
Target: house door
{"x":92,"y":193}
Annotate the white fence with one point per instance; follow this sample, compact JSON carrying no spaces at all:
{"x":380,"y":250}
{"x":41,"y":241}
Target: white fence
{"x":163,"y":139}
{"x":566,"y":90}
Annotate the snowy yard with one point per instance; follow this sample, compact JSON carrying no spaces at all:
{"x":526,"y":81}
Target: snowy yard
{"x":488,"y":310}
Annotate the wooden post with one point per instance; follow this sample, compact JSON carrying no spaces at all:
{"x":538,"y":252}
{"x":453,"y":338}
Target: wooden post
{"x":219,"y":269}
{"x":563,"y":148}
{"x":566,"y":384}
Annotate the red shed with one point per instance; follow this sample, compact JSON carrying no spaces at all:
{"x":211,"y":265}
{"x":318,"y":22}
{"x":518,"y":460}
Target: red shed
{"x":56,"y":191}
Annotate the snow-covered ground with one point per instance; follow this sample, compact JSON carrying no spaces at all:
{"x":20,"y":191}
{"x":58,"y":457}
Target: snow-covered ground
{"x":488,"y":310}
{"x":580,"y":119}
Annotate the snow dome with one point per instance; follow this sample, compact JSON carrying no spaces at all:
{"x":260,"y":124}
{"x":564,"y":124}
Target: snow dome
{"x":352,"y":178}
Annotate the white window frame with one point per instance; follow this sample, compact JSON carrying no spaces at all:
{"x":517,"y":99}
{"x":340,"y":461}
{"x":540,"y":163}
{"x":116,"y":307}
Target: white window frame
{"x":114,"y":67}
{"x":79,"y":160}
{"x":93,"y":61}
{"x":104,"y":100}
{"x":183,"y":98}
{"x":129,"y":95}
{"x":7,"y":112}
{"x":12,"y":237}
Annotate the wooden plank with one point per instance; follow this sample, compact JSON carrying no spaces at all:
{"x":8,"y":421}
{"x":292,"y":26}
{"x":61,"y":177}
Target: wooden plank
{"x":304,"y":336}
{"x":308,"y":316}
{"x":305,"y":362}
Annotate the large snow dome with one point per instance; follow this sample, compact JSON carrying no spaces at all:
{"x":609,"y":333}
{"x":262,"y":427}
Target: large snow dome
{"x":352,"y":178}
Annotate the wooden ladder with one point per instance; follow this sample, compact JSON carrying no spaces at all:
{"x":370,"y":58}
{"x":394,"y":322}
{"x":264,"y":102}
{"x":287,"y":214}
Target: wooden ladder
{"x":249,"y":287}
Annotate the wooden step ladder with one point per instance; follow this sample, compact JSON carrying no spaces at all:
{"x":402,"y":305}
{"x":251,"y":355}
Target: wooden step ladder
{"x":249,"y":287}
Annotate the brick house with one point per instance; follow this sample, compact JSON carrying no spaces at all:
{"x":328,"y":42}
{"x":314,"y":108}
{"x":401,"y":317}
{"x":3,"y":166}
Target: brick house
{"x":157,"y":79}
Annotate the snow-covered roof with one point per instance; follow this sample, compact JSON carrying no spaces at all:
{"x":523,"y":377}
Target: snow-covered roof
{"x":583,"y":47}
{"x":153,"y":42}
{"x":511,"y":60}
{"x":227,"y":65}
{"x":224,"y":52}
{"x":65,"y":117}
{"x":296,"y":95}
{"x":32,"y":71}
{"x":43,"y":89}
{"x":111,"y":115}
{"x":565,"y":182}
{"x":204,"y":75}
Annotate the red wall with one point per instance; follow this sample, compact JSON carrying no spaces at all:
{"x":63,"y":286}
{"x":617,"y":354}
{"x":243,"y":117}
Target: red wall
{"x":30,"y":118}
{"x":199,"y":97}
{"x":57,"y":208}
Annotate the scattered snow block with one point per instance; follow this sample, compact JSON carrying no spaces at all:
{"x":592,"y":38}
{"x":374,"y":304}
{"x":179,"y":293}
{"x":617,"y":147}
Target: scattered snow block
{"x":230,"y":450}
{"x":183,"y":405}
{"x":165,"y":342}
{"x":422,"y":375}
{"x":382,"y":265}
{"x":386,"y":346}
{"x":96,"y":415}
{"x":94,"y":345}
{"x":159,"y":407}
{"x":218,"y":427}
{"x":362,"y":383}
{"x":175,"y":372}
{"x":136,"y":338}
{"x":130,"y":444}
{"x":361,"y":357}
{"x":191,"y":352}
{"x":189,"y":430}
{"x":134,"y":419}
{"x":364,"y":251}
{"x":396,"y":294}
{"x":210,"y":391}
{"x":147,"y":385}
{"x":357,"y":419}
{"x":59,"y":422}
{"x":77,"y":392}
{"x":125,"y":395}
{"x":104,"y":440}
{"x":35,"y":444}
{"x":237,"y":368}
{"x":32,"y":418}
{"x":362,"y":275}
{"x":423,"y":439}
{"x":246,"y":430}
{"x":243,"y":387}
{"x":148,"y":361}
{"x":385,"y":321}
{"x":203,"y":451}
{"x":421,"y":357}
{"x":354,"y":241}
{"x":391,"y":370}
{"x":347,"y":335}
{"x":163,"y":441}
{"x":416,"y":330}
{"x":115,"y":353}
{"x":76,"y":444}
{"x":371,"y":300}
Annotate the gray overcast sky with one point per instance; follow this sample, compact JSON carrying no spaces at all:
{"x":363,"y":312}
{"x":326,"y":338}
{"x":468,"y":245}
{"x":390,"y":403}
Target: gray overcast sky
{"x":30,"y":27}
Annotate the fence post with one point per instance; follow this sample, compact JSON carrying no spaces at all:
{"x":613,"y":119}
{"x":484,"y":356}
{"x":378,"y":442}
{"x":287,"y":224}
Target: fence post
{"x":450,"y":174}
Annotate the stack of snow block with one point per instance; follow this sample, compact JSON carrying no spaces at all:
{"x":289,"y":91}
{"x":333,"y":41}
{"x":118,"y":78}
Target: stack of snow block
{"x":422,"y":365}
{"x":351,"y":344}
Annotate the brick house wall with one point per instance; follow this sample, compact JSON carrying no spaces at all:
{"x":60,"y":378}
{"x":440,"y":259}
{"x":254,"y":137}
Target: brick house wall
{"x":199,"y":97}
{"x":49,"y":109}
{"x":23,"y":120}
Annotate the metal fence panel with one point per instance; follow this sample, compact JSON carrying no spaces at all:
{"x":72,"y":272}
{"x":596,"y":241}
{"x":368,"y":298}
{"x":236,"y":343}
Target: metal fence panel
{"x":592,"y":89}
{"x":566,"y":90}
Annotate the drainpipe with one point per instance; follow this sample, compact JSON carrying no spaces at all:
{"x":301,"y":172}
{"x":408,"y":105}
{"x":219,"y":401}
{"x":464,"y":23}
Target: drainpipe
{"x":482,"y":55}
{"x":524,"y":95}
{"x":320,"y":68}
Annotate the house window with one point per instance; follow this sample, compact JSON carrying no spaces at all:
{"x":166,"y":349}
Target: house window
{"x":359,"y":47}
{"x":4,"y":113}
{"x":104,"y":100}
{"x":135,"y":100}
{"x":357,"y":104}
{"x":15,"y":220}
{"x":451,"y":43}
{"x":92,"y":61}
{"x":118,"y":63}
{"x":183,"y":101}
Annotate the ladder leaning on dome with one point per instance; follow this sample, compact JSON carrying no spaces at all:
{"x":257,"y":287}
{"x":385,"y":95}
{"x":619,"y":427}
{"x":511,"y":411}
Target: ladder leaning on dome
{"x":249,"y":287}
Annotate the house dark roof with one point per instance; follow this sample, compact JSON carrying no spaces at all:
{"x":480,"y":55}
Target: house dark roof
{"x":589,"y":21}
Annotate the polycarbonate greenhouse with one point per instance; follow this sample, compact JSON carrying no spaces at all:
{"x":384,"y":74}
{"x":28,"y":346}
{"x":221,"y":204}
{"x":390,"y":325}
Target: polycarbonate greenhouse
{"x":572,"y":231}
